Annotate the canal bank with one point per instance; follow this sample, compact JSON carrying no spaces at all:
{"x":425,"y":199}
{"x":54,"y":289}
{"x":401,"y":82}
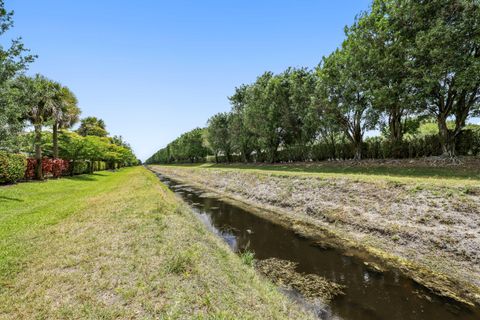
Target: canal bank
{"x":255,"y":191}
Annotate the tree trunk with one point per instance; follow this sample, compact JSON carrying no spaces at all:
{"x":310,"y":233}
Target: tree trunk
{"x":38,"y":152}
{"x":273,"y":154}
{"x":55,"y":140}
{"x":246,"y":154}
{"x":396,"y":131}
{"x":358,"y":150}
{"x":227,"y":156}
{"x":333,"y":147}
{"x":357,"y":140}
{"x":447,"y":138}
{"x":72,"y":170}
{"x":216,"y":157}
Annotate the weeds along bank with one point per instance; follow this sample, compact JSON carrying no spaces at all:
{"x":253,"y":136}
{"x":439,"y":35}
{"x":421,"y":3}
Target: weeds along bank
{"x":425,"y":227}
{"x":120,"y":246}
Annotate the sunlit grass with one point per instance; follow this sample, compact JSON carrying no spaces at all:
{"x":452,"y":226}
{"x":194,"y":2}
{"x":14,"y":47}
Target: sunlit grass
{"x":120,"y":246}
{"x":421,"y":174}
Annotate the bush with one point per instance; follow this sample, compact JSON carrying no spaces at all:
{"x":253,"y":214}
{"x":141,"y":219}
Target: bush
{"x":99,"y":165}
{"x":30,"y":169}
{"x":51,"y":167}
{"x":59,"y":167}
{"x":12,"y":167}
{"x":80,"y":167}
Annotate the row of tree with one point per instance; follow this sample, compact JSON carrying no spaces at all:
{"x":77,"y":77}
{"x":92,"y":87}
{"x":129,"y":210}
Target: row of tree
{"x":189,"y":147}
{"x":38,"y":102}
{"x":402,"y":62}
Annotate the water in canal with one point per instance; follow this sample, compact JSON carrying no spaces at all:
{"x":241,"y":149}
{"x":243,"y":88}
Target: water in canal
{"x":368,"y":295}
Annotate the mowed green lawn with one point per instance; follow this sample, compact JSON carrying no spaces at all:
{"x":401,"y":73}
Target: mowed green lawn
{"x":120,"y":245}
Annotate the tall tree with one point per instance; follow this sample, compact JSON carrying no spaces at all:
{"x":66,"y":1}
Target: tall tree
{"x":265,"y":112}
{"x":13,"y":59}
{"x":444,"y":47}
{"x":342,"y":89}
{"x":243,"y":139}
{"x":382,"y":55}
{"x":65,"y":113}
{"x":92,"y":126}
{"x":300,"y":117}
{"x":218,"y":135}
{"x":38,"y":94}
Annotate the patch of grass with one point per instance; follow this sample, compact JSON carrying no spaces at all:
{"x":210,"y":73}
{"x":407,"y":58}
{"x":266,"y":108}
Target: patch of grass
{"x":397,"y":174}
{"x":248,"y":257}
{"x":181,"y":262}
{"x":120,"y":246}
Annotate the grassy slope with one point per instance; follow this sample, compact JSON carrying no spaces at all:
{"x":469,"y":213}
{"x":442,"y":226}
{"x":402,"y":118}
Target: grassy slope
{"x":397,"y":201}
{"x":454,"y":176}
{"x":119,"y":245}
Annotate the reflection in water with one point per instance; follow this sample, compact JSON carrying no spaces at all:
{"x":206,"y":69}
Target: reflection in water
{"x":368,"y":295}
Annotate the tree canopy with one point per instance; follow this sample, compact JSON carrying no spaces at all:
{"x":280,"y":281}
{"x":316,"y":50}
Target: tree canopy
{"x":402,"y":63}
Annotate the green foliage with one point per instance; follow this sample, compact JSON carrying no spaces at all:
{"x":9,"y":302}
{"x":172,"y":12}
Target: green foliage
{"x":344,"y":95}
{"x":401,"y":62}
{"x":93,"y":148}
{"x":39,"y":95}
{"x":13,"y":60}
{"x":189,"y":147}
{"x":65,"y":113}
{"x":248,"y":257}
{"x":92,"y":126}
{"x":219,"y":135}
{"x":81,"y":167}
{"x":99,"y":165}
{"x":41,"y":102}
{"x":12,"y":167}
{"x":442,"y":39}
{"x":243,"y":140}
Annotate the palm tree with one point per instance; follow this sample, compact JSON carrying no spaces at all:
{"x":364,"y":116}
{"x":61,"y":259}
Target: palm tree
{"x":37,"y":94}
{"x":65,"y":113}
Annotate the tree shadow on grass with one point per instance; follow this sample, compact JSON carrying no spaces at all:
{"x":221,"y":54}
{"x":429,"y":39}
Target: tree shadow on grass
{"x":87,"y":177}
{"x":6,"y":199}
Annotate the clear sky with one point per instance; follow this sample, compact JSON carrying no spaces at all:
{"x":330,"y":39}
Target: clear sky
{"x":155,"y":69}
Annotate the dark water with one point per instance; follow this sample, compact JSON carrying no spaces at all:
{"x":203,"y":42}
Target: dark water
{"x":368,"y":295}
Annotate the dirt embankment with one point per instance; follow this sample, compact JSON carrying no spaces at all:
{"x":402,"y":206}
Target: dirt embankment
{"x":429,"y":231}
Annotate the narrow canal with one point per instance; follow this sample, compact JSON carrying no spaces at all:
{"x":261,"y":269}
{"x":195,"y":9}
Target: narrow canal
{"x":368,"y":294}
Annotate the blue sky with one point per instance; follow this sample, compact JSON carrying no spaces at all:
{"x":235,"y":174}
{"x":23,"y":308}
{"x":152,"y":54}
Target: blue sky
{"x":154,"y":69}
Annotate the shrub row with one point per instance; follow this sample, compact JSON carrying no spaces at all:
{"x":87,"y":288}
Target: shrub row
{"x":15,"y":167}
{"x":51,"y":167}
{"x":12,"y":167}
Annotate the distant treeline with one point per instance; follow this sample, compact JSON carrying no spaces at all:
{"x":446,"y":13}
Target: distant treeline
{"x":404,"y":65}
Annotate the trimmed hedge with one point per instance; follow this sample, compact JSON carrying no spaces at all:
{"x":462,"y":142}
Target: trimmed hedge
{"x":51,"y":167}
{"x":99,"y":165}
{"x":12,"y":167}
{"x":81,"y":167}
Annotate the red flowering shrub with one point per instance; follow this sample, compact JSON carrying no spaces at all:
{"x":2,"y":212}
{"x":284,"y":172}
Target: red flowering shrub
{"x":47,"y":166}
{"x":50,"y":167}
{"x":59,"y":167}
{"x":30,"y":171}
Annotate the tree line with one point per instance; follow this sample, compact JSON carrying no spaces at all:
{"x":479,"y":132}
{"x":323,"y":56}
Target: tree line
{"x":403,"y":64}
{"x":50,"y":109}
